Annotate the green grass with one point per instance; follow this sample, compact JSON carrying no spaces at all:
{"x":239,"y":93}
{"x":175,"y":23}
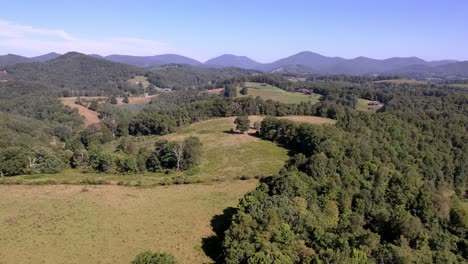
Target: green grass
{"x":141,"y":79}
{"x":225,"y":157}
{"x":277,"y":94}
{"x":363,"y":106}
{"x":110,"y":224}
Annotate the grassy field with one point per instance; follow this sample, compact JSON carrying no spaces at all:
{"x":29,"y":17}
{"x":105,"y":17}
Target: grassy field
{"x":363,"y":106}
{"x":110,"y":224}
{"x":139,"y":79}
{"x":51,"y":223}
{"x":277,"y":94}
{"x":225,"y":156}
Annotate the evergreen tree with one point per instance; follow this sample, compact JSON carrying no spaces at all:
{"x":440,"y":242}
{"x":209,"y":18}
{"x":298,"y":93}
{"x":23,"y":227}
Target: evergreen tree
{"x":93,"y":105}
{"x":125,"y":99}
{"x":113,"y":100}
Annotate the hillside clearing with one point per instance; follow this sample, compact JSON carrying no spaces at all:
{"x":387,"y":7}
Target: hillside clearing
{"x":110,"y":224}
{"x":139,"y":79}
{"x":268,"y":92}
{"x":315,"y":120}
{"x":363,"y":105}
{"x":225,"y":156}
{"x":216,"y":91}
{"x":90,"y":117}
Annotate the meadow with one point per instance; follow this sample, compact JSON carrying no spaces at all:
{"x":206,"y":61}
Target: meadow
{"x":225,"y":156}
{"x":77,"y":217}
{"x":363,"y":105}
{"x":111,"y":224}
{"x":276,"y":94}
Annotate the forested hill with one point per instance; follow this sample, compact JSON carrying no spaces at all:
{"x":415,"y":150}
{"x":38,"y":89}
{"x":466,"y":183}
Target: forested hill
{"x":183,"y":76}
{"x":387,"y":187}
{"x":77,"y":73}
{"x":12,"y":59}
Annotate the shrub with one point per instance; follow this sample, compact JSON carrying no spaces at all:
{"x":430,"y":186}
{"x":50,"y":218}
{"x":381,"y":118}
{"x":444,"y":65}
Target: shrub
{"x":149,"y":257}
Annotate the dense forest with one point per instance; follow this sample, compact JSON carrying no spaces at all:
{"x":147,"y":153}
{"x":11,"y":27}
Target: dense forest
{"x":77,"y":74}
{"x":183,"y":77}
{"x":377,"y":188}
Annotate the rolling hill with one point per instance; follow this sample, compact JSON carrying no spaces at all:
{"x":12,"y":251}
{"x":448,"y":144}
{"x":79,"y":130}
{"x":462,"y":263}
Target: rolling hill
{"x":76,"y":72}
{"x":306,"y":58}
{"x":229,"y":60}
{"x":182,"y":75}
{"x":46,"y":57}
{"x":302,"y":63}
{"x":11,"y":59}
{"x":151,"y":61}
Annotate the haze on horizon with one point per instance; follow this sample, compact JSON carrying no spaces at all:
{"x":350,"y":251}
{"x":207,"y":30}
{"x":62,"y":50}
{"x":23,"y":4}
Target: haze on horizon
{"x":264,"y":30}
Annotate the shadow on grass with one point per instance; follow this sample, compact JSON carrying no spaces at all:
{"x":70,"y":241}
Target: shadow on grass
{"x":232,"y":132}
{"x":212,"y":246}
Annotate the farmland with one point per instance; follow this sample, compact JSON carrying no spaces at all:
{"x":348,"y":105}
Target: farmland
{"x":268,"y":92}
{"x":110,"y":224}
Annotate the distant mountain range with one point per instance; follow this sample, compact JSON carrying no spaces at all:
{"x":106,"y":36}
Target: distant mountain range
{"x":302,"y":63}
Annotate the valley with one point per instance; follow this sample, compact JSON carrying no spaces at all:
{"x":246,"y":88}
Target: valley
{"x":166,"y":159}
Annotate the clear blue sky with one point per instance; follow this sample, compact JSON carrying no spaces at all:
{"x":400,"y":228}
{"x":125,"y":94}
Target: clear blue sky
{"x":263,"y":30}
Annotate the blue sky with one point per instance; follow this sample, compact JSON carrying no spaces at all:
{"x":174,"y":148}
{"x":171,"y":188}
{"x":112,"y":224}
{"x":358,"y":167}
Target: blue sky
{"x":262,"y":30}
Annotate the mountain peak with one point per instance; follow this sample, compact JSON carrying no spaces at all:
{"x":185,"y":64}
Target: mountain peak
{"x":46,"y":57}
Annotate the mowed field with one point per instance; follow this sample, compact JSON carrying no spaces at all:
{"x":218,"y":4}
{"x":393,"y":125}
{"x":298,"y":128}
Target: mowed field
{"x":276,"y":94}
{"x":271,"y":92}
{"x":110,"y":224}
{"x":363,"y":106}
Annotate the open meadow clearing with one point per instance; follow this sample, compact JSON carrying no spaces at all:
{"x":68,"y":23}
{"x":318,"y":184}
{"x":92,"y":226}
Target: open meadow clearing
{"x":92,"y":117}
{"x":266,"y":92}
{"x":110,"y":224}
{"x":363,"y":105}
{"x":225,"y":156}
{"x":139,"y":79}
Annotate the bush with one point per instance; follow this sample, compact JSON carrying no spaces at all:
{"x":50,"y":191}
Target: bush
{"x":149,"y":257}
